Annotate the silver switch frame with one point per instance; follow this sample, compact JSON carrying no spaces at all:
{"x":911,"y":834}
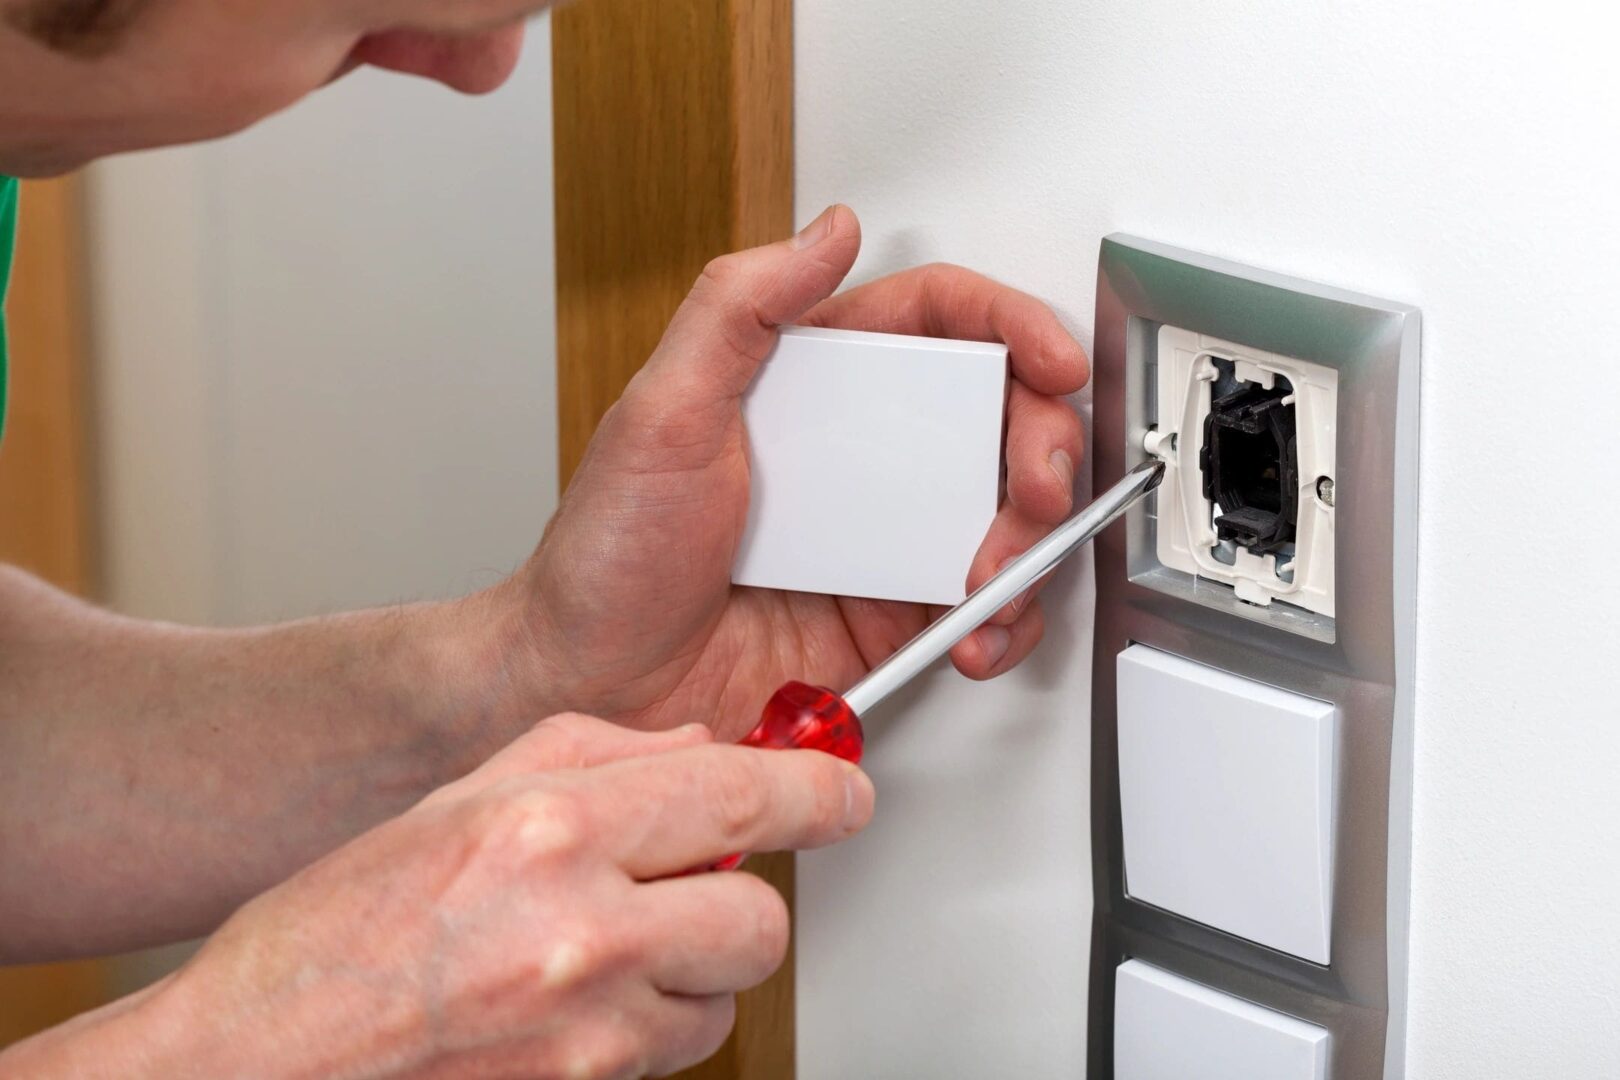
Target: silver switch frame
{"x":1362,"y":660}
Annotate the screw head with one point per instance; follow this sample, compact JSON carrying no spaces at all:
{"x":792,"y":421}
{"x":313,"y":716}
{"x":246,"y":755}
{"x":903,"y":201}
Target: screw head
{"x":1324,"y":489}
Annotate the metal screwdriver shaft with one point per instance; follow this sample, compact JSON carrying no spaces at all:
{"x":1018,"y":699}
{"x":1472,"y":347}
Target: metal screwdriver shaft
{"x":802,"y":717}
{"x":1014,"y":578}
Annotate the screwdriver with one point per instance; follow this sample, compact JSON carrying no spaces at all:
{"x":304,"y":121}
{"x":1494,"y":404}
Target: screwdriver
{"x":803,"y":717}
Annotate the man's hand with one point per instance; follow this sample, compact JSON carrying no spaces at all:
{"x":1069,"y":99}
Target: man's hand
{"x":530,"y":919}
{"x":629,"y":597}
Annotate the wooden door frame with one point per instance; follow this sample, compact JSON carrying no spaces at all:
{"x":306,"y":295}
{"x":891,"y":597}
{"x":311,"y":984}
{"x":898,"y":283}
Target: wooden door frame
{"x":673,"y":129}
{"x":46,"y":524}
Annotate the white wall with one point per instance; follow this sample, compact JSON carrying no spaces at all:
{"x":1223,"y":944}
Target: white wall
{"x":1462,"y":157}
{"x":326,"y":352}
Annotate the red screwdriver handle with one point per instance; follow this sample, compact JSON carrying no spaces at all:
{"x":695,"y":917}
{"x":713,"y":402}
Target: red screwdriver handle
{"x":803,"y":717}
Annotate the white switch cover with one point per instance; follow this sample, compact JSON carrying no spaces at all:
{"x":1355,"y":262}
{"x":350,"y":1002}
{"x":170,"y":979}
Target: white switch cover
{"x":1170,"y":1028}
{"x":875,"y":464}
{"x":1226,"y":793}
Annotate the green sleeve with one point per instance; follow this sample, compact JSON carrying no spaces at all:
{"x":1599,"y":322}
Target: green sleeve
{"x":8,"y":232}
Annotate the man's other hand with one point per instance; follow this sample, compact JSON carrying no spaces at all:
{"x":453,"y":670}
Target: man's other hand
{"x":628,"y":601}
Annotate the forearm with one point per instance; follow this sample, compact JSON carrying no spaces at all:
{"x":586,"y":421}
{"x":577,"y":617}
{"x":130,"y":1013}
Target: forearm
{"x":261,"y":1021}
{"x":132,"y":1037}
{"x":153,"y":777}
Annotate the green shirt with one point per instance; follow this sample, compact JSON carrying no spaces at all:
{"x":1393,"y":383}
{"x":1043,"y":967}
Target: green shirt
{"x":8,"y":232}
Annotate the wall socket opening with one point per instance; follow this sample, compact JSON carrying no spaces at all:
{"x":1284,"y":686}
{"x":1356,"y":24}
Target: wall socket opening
{"x":1250,"y":464}
{"x":1248,"y":438}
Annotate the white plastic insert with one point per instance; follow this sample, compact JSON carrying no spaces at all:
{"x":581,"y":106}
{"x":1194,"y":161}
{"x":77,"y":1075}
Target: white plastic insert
{"x":1189,"y":365}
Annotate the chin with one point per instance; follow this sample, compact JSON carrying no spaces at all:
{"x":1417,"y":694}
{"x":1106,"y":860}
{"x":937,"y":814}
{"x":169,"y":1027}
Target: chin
{"x":474,"y":64}
{"x":42,"y":162}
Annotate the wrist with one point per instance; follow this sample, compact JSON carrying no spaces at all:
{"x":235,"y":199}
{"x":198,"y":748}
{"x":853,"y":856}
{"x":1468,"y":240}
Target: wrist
{"x":246,"y":1006}
{"x":491,"y":679}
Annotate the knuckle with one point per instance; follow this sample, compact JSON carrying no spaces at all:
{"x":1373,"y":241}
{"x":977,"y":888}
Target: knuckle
{"x":574,"y":723}
{"x":1047,"y":415}
{"x":1072,"y":429}
{"x":932,"y":279}
{"x":1032,"y":622}
{"x":1055,"y":418}
{"x":712,"y":1029}
{"x":738,"y":795}
{"x":693,"y":735}
{"x":1052,"y":410}
{"x":940,"y":269}
{"x":607,"y":1053}
{"x":1068,"y":414}
{"x":576,"y":954}
{"x":569,"y":736}
{"x":695,"y":1040}
{"x":725,"y":291}
{"x":765,"y":916}
{"x":560,"y":739}
{"x":542,"y":825}
{"x":945,"y":286}
{"x":651,"y":414}
{"x":1020,"y":403}
{"x":720,"y":277}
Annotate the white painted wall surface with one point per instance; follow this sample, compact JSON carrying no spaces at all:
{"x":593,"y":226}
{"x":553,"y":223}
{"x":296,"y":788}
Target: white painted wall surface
{"x":325,"y":348}
{"x":1462,"y":157}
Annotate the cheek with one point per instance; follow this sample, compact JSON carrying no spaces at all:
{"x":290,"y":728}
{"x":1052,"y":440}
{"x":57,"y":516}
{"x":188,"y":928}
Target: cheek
{"x":474,"y":64}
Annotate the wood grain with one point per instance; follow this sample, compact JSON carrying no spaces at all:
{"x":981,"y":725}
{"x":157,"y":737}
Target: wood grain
{"x":673,"y":129}
{"x":674,"y":144}
{"x":34,"y":997}
{"x":45,"y":519}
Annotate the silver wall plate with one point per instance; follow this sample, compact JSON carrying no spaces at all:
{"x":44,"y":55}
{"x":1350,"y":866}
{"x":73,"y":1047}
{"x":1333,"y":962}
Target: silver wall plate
{"x":1361,"y":660}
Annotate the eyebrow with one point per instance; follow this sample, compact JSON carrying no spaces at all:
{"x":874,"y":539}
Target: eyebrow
{"x":85,"y":28}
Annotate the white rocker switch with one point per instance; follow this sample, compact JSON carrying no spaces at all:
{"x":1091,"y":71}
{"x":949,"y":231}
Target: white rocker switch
{"x":1227,"y":801}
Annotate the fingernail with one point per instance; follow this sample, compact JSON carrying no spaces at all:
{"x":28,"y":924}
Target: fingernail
{"x":859,"y":798}
{"x":815,"y":232}
{"x":1063,"y":465}
{"x":994,"y":640}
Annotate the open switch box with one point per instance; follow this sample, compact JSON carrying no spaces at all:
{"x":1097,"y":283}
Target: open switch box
{"x":1248,"y":441}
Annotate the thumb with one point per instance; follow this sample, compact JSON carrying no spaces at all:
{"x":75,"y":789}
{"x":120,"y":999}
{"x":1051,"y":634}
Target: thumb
{"x":728,"y":322}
